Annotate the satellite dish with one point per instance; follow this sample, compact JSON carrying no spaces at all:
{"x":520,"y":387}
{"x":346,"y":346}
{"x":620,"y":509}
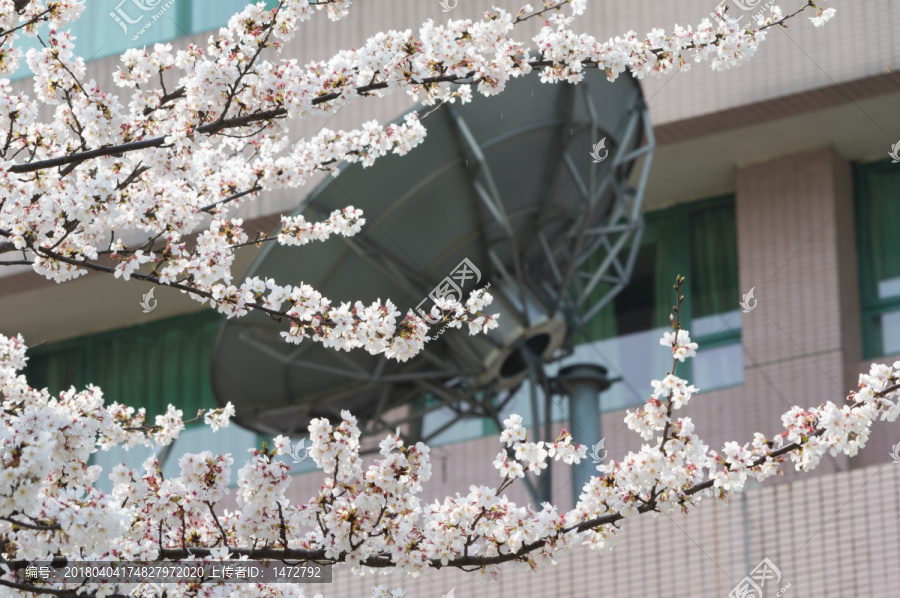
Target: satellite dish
{"x":513,"y":191}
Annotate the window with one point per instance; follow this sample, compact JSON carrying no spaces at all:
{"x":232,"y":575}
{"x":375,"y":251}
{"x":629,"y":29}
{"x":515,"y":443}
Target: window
{"x":109,"y":27}
{"x":147,"y":366}
{"x":877,"y":192}
{"x":712,"y":300}
{"x":699,"y":241}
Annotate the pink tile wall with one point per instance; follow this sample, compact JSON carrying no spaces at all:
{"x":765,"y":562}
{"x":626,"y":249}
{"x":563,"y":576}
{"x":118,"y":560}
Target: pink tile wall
{"x":830,"y":535}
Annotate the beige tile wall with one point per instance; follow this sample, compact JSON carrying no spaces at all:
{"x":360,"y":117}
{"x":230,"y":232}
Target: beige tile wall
{"x":830,"y":535}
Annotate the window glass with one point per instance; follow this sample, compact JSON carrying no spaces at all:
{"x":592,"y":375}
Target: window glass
{"x":132,"y":458}
{"x":699,"y":242}
{"x":109,"y":27}
{"x":624,"y":336}
{"x":464,"y":429}
{"x":878,"y":219}
{"x":439,"y":421}
{"x":150,"y":366}
{"x":713,"y":281}
{"x":233,"y":440}
{"x":521,"y":404}
{"x":729,"y":321}
{"x":634,"y":358}
{"x":881,"y":232}
{"x":718,"y":367}
{"x":884,"y":333}
{"x":715,"y":319}
{"x":147,"y":366}
{"x":297,"y":458}
{"x":56,"y":368}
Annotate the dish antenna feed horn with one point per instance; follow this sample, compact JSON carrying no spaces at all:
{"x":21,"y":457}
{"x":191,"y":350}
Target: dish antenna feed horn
{"x":515,"y":191}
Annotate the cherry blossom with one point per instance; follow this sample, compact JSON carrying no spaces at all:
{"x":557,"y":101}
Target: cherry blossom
{"x":680,"y":342}
{"x":162,"y":163}
{"x":673,"y":388}
{"x":367,"y":513}
{"x":188,"y":137}
{"x":822,"y":16}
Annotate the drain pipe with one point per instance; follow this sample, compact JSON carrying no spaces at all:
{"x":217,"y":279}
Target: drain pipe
{"x":583,"y":383}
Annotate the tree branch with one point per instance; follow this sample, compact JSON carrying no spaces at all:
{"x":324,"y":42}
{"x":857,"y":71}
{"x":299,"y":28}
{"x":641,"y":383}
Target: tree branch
{"x":279,"y":112}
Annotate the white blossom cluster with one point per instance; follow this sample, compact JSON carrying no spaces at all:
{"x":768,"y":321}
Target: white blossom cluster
{"x":190,"y":136}
{"x":180,"y":159}
{"x":370,"y":515}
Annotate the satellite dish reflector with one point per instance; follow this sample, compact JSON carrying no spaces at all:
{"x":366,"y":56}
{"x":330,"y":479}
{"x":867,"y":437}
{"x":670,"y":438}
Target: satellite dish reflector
{"x":505,"y":191}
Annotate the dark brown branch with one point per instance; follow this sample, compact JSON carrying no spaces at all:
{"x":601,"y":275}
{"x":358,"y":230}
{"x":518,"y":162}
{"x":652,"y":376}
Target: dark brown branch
{"x":480,"y":561}
{"x":279,"y":112}
{"x":282,"y":530}
{"x":209,"y":209}
{"x":32,"y":526}
{"x":62,"y":593}
{"x":385,"y":561}
{"x":212,"y":512}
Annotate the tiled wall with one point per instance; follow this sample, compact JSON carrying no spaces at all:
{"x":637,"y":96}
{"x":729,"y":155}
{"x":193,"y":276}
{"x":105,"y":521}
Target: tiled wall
{"x":830,"y":535}
{"x":788,"y":212}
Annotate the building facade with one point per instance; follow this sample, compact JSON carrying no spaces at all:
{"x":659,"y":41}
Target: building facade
{"x":774,"y":177}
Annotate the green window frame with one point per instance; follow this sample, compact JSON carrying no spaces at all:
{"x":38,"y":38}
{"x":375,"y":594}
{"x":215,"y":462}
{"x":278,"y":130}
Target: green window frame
{"x":877,"y":212}
{"x":150,"y":365}
{"x":720,"y":273}
{"x":689,"y":254}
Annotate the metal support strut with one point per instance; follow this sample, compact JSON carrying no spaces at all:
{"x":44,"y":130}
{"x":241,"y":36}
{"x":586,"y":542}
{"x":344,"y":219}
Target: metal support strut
{"x":583,"y":383}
